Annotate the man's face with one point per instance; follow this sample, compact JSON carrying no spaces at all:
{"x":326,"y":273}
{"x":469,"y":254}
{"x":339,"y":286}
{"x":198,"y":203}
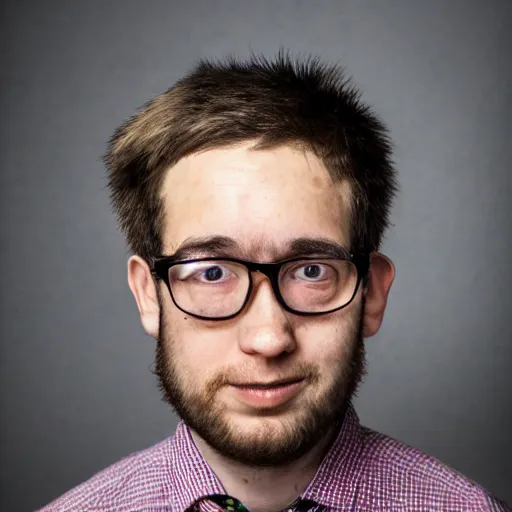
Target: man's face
{"x":212,"y":372}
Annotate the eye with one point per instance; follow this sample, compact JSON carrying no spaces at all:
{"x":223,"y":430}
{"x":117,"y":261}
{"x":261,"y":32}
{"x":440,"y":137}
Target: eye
{"x":214,"y":273}
{"x":204,"y":272}
{"x":311,"y":272}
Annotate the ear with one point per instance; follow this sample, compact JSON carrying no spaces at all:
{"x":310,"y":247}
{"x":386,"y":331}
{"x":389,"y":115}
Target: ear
{"x":144,"y":290}
{"x":380,"y":279}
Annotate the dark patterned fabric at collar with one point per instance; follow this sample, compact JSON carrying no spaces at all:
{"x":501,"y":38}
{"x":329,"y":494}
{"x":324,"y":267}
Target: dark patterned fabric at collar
{"x":223,"y":502}
{"x":230,"y":504}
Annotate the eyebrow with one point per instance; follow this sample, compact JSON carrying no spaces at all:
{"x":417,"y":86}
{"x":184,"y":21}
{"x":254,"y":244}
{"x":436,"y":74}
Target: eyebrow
{"x":224,"y":246}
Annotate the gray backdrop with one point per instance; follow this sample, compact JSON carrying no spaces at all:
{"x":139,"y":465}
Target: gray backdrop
{"x":76,"y":388}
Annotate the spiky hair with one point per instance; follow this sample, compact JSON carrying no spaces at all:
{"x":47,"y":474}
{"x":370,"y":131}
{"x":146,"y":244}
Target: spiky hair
{"x":273,"y":102}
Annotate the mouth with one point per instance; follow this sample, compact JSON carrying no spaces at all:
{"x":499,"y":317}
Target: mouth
{"x":268,"y":385}
{"x":268,"y":394}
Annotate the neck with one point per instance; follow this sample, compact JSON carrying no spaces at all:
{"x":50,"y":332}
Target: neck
{"x":266,"y":489}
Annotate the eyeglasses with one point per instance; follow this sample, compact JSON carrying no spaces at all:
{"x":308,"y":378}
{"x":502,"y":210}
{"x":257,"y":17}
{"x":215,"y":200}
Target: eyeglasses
{"x":220,"y":288}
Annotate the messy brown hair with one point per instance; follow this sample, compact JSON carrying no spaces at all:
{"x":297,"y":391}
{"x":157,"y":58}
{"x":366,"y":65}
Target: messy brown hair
{"x":274,"y":102}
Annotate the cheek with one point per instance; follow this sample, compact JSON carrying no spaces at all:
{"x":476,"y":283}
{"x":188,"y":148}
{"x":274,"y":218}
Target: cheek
{"x":197,"y":353}
{"x":327,"y":342}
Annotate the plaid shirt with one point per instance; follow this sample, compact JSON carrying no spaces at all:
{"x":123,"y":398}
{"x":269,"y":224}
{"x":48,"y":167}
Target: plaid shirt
{"x":364,"y":471}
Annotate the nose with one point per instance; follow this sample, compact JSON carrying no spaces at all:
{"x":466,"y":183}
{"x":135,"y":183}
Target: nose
{"x":264,"y":328}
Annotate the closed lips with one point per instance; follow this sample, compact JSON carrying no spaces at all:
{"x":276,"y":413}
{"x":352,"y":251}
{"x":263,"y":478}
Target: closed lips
{"x":268,"y":385}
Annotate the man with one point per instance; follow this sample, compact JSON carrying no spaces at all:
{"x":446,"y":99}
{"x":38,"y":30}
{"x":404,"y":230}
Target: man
{"x":254,"y":196}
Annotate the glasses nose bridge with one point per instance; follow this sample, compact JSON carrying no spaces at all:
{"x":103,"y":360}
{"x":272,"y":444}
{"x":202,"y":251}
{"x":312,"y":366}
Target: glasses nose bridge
{"x":269,"y":270}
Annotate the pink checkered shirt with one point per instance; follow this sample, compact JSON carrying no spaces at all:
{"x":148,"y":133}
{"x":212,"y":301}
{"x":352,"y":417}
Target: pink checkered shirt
{"x":364,"y":471}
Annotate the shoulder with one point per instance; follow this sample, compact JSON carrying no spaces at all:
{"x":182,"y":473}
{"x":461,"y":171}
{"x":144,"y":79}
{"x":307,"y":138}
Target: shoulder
{"x":139,"y":481}
{"x":399,"y":477}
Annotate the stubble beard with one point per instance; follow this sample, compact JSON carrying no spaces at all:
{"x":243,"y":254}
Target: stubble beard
{"x":278,"y":440}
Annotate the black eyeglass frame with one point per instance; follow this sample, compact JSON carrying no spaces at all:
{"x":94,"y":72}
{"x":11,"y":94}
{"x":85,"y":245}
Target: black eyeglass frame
{"x":162,"y":264}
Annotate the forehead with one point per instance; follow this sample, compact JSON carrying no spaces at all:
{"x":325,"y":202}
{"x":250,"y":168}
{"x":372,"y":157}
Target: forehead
{"x":263,"y":199}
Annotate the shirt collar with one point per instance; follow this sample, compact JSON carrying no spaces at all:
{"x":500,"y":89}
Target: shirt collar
{"x":192,"y":477}
{"x":334,"y":484}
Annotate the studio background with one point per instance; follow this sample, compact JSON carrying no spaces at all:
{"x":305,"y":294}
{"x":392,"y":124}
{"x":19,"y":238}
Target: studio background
{"x":77,"y":392}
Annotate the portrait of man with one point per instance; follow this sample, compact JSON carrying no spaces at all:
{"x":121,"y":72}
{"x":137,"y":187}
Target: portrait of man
{"x":254,"y":195}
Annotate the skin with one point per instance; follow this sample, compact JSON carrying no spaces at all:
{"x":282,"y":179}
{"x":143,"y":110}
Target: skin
{"x":263,"y":199}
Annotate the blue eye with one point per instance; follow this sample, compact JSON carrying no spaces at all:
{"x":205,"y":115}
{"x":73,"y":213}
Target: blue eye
{"x":213,"y":273}
{"x":311,"y":272}
{"x":207,"y":272}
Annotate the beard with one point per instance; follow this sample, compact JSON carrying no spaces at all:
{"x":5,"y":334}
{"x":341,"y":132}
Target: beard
{"x":279,"y":438}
